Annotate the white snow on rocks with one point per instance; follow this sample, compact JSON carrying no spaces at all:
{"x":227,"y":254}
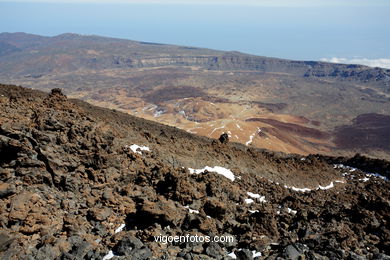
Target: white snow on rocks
{"x":109,"y":255}
{"x":253,"y":195}
{"x":250,"y":139}
{"x":377,"y":175}
{"x":192,"y":210}
{"x":249,"y":201}
{"x":331,"y":185}
{"x":256,"y":196}
{"x":120,"y":228}
{"x":351,"y":169}
{"x":342,"y":166}
{"x":365,"y":179}
{"x":138,"y":149}
{"x":253,"y":136}
{"x":255,"y":254}
{"x":326,"y":187}
{"x":297,"y":189}
{"x":291,"y":211}
{"x":217,"y":169}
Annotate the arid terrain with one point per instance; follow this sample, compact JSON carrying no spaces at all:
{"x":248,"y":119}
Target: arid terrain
{"x":290,"y":106}
{"x":84,"y":182}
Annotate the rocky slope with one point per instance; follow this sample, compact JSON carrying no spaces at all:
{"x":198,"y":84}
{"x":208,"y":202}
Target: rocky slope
{"x":74,"y":186}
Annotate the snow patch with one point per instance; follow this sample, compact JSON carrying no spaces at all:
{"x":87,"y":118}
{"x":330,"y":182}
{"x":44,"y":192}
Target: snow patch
{"x":109,"y":255}
{"x":253,"y":211}
{"x":377,"y":175}
{"x":250,"y":139}
{"x":138,"y":149}
{"x":291,"y":211}
{"x":331,"y":185}
{"x":256,"y":196}
{"x":342,"y":166}
{"x":256,"y":254}
{"x":217,"y":169}
{"x":351,"y":169}
{"x":253,"y":195}
{"x":232,"y":255}
{"x":253,"y":136}
{"x":120,"y":228}
{"x":297,"y":189}
{"x":249,"y":201}
{"x":192,"y":210}
{"x":326,"y":187}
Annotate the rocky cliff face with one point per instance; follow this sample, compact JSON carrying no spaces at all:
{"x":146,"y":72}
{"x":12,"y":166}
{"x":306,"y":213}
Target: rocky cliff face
{"x":262,"y":64}
{"x":82,"y":182}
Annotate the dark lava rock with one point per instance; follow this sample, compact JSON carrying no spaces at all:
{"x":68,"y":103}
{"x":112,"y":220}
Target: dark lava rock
{"x":132,"y":248}
{"x":244,"y":254}
{"x":214,"y":208}
{"x":224,"y":138}
{"x":214,"y":250}
{"x":291,"y":252}
{"x":127,"y":245}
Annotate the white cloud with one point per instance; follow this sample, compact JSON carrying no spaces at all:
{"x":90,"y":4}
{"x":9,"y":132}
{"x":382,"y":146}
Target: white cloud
{"x":383,"y":63}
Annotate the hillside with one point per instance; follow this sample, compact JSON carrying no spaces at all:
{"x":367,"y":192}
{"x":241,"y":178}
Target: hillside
{"x":290,"y":106}
{"x":75,"y":186}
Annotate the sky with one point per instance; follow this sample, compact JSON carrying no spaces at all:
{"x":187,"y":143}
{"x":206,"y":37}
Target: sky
{"x":347,"y":31}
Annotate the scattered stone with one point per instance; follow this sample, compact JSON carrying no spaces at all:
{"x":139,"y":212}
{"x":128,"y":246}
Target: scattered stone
{"x":244,"y":254}
{"x":6,"y":190}
{"x":224,"y":138}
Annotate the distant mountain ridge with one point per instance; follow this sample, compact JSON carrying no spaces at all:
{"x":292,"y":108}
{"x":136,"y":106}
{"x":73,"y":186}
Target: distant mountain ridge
{"x":19,"y":43}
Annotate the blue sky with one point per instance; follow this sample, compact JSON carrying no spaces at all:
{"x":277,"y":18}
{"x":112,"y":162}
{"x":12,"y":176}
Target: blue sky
{"x":330,"y":30}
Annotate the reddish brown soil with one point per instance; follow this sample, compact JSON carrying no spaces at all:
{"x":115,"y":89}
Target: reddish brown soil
{"x":293,"y":128}
{"x":366,"y":131}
